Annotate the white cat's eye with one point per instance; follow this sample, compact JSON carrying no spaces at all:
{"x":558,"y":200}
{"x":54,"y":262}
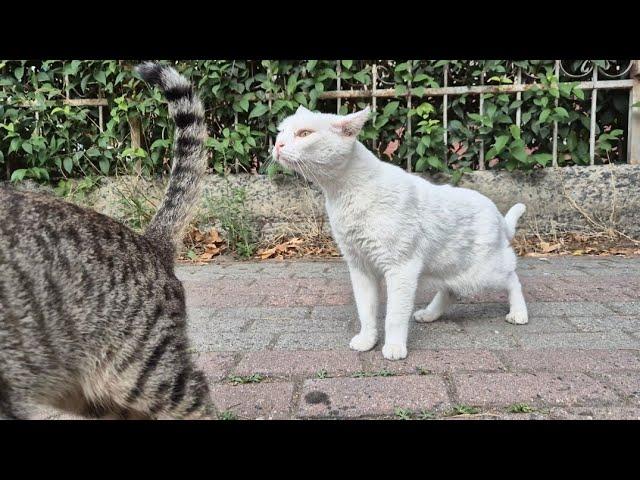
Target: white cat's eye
{"x":303,"y":133}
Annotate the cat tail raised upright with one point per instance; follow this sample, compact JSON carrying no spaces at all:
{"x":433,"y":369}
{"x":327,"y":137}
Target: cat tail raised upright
{"x":189,"y":154}
{"x":512,"y":217}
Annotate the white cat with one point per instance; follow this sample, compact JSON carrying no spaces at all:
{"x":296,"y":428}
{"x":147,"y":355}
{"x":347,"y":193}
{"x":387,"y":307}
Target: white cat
{"x":397,"y":226}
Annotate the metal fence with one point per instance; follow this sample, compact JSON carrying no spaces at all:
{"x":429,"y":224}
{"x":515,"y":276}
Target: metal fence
{"x":613,"y":75}
{"x":624,"y":76}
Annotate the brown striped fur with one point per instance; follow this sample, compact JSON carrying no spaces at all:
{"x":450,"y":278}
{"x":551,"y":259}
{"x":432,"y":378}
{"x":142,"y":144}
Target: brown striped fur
{"x":92,"y":316}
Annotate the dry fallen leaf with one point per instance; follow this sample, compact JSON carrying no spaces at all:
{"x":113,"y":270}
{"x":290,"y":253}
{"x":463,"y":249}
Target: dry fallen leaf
{"x":548,"y":248}
{"x":214,"y":236}
{"x":391,"y":148}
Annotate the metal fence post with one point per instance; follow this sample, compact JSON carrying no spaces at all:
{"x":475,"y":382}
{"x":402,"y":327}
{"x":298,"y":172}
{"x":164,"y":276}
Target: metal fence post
{"x":633,"y":143}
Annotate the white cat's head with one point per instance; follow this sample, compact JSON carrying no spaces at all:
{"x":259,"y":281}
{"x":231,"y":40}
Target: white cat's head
{"x":317,"y":144}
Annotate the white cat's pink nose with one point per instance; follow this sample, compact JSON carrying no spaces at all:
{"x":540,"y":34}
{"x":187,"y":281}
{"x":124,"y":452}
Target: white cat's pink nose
{"x":279,"y":145}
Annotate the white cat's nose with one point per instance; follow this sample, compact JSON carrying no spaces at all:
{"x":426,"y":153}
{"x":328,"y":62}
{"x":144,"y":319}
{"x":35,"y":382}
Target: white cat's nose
{"x":278,"y":146}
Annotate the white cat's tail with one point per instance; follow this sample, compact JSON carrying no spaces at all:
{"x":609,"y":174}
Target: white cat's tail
{"x":511,"y":218}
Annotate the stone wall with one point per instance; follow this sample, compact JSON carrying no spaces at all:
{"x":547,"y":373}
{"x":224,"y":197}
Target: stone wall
{"x":557,"y":199}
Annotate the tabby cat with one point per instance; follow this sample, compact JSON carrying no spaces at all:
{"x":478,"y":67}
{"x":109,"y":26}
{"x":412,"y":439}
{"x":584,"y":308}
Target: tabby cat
{"x":92,"y":317}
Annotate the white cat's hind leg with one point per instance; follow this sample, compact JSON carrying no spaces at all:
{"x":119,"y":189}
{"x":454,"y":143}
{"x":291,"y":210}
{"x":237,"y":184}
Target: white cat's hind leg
{"x":435,"y":309}
{"x":517,"y":307}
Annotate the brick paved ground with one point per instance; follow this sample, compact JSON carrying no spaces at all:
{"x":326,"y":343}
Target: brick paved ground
{"x":290,"y":322}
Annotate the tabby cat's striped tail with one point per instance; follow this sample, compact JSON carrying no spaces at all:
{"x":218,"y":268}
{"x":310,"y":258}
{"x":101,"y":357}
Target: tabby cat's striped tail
{"x":189,"y":155}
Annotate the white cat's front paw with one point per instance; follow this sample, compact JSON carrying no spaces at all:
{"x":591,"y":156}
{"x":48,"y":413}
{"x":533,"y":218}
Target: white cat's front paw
{"x":518,"y":317}
{"x":425,"y":315}
{"x":363,"y":342}
{"x":394,"y":351}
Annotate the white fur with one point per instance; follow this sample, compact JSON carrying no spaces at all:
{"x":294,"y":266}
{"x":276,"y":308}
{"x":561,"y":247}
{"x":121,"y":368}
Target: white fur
{"x":395,"y":226}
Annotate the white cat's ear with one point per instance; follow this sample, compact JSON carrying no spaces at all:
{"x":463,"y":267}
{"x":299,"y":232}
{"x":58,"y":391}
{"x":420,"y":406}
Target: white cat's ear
{"x":350,"y":125}
{"x":302,"y":109}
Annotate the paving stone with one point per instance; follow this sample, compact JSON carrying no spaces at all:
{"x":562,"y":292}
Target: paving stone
{"x":316,"y":341}
{"x":216,"y":366}
{"x":300,"y":325}
{"x":265,"y":401}
{"x":628,"y":383}
{"x":422,"y":340}
{"x":572,"y":309}
{"x":595,"y":413}
{"x":356,"y":397}
{"x":594,"y":340}
{"x":336,"y":312}
{"x":625,"y":308}
{"x":230,"y":341}
{"x":301,"y":362}
{"x":572,"y":360}
{"x":250,"y":314}
{"x":307,"y":300}
{"x":435,"y":361}
{"x":548,"y":388}
{"x":607,"y":323}
{"x":207,"y":296}
{"x":536,"y":324}
{"x":207,"y":321}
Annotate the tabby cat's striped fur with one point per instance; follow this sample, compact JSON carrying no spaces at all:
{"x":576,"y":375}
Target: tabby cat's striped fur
{"x":92,"y":317}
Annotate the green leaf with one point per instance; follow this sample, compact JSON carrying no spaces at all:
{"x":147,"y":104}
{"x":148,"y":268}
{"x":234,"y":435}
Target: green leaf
{"x":401,"y":90}
{"x":515,"y":131}
{"x":390,"y":108}
{"x":104,"y":166}
{"x":421,"y":164}
{"x":311,"y":64}
{"x":292,"y":83}
{"x":519,"y":153}
{"x":561,"y":111}
{"x":160,"y":143}
{"x":15,"y":144}
{"x":68,"y":164}
{"x":18,"y":175}
{"x":244,"y":104}
{"x":578,"y":92}
{"x":83,"y":82}
{"x":93,"y":152}
{"x":542,"y":158}
{"x":101,"y":77}
{"x":300,"y":98}
{"x":434,"y":162}
{"x":544,"y":115}
{"x":380,"y":122}
{"x":490,"y":110}
{"x":361,"y":76}
{"x":259,"y":110}
{"x":26,"y":146}
{"x":347,"y":64}
{"x":501,"y":141}
{"x":18,"y":73}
